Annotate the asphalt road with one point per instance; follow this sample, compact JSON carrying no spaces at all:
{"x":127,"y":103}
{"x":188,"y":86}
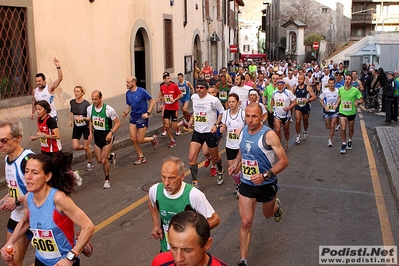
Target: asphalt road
{"x":327,"y":198}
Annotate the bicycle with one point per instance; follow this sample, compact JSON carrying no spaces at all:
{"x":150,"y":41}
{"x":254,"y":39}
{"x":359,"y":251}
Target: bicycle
{"x":372,"y":103}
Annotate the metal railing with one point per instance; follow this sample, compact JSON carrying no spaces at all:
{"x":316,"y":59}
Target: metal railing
{"x":14,"y":53}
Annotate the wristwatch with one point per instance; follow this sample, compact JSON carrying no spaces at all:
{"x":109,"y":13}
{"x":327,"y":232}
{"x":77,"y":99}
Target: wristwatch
{"x":148,"y":113}
{"x":265,"y":175}
{"x":70,"y":256}
{"x":17,"y":202}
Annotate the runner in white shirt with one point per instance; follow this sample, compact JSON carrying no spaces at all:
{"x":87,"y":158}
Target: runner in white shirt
{"x":232,"y":121}
{"x":283,"y":100}
{"x":328,"y":98}
{"x":241,"y":90}
{"x":206,"y":122}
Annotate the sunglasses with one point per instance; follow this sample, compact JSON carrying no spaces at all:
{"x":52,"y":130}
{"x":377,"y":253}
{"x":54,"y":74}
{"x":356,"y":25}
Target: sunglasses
{"x":5,"y":140}
{"x":201,"y":87}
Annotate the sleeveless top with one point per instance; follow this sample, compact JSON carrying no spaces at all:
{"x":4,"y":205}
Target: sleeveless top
{"x":53,"y":232}
{"x":48,"y":97}
{"x":257,"y":156}
{"x":301,"y":96}
{"x":169,"y":207}
{"x":100,"y":119}
{"x":48,"y":145}
{"x":16,"y":181}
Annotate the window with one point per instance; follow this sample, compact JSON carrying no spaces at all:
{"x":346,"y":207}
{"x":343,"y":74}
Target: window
{"x":246,"y":48}
{"x":168,"y":43}
{"x":218,"y":10}
{"x":14,"y":53}
{"x":207,"y":11}
{"x":324,"y":9}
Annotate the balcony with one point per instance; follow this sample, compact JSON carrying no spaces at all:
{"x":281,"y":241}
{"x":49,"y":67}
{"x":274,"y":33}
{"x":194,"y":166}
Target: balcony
{"x":362,"y":18}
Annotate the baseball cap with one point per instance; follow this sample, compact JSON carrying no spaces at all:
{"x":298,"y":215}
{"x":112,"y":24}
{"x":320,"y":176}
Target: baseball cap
{"x":280,"y":82}
{"x":279,"y":72}
{"x":215,"y":72}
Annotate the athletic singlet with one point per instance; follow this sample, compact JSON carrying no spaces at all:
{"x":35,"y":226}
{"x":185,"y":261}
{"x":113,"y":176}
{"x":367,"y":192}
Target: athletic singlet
{"x":257,"y":156}
{"x":301,"y":96}
{"x":223,"y":92}
{"x":166,"y":259}
{"x":100,"y":119}
{"x":53,"y":232}
{"x":48,"y":145}
{"x":185,"y":90}
{"x":16,"y":181}
{"x":169,"y":207}
{"x":48,"y":97}
{"x":207,"y":73}
{"x":233,"y":124}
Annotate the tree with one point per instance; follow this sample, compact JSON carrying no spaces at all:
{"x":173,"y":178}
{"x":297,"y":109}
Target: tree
{"x":314,"y":37}
{"x":305,"y":11}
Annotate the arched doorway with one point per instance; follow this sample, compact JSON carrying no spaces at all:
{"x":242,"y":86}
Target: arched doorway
{"x":139,"y":58}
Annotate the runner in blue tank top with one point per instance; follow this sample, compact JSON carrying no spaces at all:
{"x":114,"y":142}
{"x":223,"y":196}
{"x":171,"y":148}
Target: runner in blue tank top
{"x":261,"y":157}
{"x":51,"y":214}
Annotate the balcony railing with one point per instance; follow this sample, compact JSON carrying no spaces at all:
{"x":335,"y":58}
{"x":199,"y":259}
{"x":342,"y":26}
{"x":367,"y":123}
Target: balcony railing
{"x":362,"y":18}
{"x":388,"y":19}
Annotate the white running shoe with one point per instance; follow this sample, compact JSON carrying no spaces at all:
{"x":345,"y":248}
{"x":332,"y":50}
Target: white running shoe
{"x":298,"y":140}
{"x":107,"y":184}
{"x":78,"y":178}
{"x":329,"y":143}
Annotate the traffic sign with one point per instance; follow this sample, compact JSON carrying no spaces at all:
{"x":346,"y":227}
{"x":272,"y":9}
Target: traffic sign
{"x":315,"y":45}
{"x":233,"y":48}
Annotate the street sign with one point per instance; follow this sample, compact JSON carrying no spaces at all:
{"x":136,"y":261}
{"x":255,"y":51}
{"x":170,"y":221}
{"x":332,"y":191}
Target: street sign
{"x":315,"y":45}
{"x":233,"y":48}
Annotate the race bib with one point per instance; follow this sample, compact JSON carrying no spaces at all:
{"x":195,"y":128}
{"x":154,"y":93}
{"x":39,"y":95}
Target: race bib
{"x":183,"y":90}
{"x":346,"y":106}
{"x":200,"y":117}
{"x":98,"y":123}
{"x":43,"y":142}
{"x":13,"y":190}
{"x":45,"y":244}
{"x":279,"y":103}
{"x":301,"y":102}
{"x":207,"y":76}
{"x":249,"y":168}
{"x":330,"y":107}
{"x":79,"y":120}
{"x":168,"y":98}
{"x":232,"y":134}
{"x":165,"y":230}
{"x":223,"y":95}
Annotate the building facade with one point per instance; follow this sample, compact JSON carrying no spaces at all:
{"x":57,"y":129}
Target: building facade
{"x":101,"y":43}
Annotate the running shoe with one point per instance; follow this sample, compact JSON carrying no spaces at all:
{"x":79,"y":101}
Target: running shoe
{"x":305,"y":135}
{"x":279,"y":214}
{"x":207,"y":162}
{"x":385,"y":123}
{"x":107,"y":184}
{"x":213,"y":171}
{"x":298,"y":140}
{"x":349,"y":145}
{"x":140,"y":160}
{"x":286,"y":147}
{"x":220,"y":178}
{"x":78,"y":178}
{"x":343,"y":149}
{"x":172,"y":144}
{"x":178,"y":131}
{"x":164,"y":132}
{"x":337,"y":128}
{"x":329,"y":143}
{"x":111,"y":158}
{"x":184,"y":123}
{"x":89,"y":166}
{"x":154,"y":142}
{"x":242,"y":263}
{"x":236,"y":192}
{"x":195,"y":184}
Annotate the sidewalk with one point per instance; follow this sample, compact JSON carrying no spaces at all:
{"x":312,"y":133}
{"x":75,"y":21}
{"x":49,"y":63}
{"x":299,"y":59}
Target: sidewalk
{"x":122,"y":139}
{"x":388,"y":138}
